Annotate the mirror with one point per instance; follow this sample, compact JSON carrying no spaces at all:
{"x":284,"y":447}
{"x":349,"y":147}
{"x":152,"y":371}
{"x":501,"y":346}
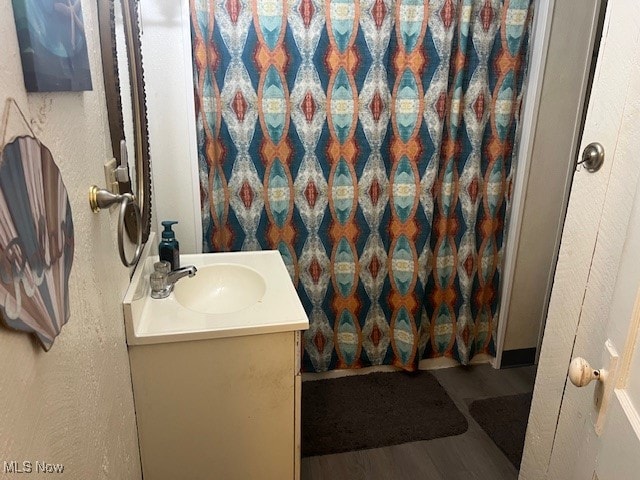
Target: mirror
{"x":126,"y":107}
{"x":124,"y":82}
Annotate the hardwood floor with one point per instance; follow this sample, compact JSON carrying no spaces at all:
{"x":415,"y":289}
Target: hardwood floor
{"x":471,"y":455}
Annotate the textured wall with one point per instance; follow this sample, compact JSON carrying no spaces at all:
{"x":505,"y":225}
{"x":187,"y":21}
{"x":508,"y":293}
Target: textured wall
{"x":74,"y":404}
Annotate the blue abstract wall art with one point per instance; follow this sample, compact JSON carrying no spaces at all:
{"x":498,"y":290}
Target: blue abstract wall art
{"x":53,"y":46}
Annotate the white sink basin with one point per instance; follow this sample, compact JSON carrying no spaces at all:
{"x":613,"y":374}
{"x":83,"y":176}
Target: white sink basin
{"x":232,"y":294}
{"x":221,"y":288}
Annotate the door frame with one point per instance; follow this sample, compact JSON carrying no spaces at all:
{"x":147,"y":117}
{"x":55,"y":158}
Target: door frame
{"x":539,"y":42}
{"x":552,"y":119}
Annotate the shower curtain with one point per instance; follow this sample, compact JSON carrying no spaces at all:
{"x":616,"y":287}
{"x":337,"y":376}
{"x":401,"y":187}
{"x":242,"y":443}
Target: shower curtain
{"x":372,"y":143}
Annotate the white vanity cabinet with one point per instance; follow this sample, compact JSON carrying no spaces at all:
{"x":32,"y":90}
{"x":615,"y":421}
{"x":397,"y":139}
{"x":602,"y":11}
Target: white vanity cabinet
{"x":216,"y":371}
{"x":225,"y":408}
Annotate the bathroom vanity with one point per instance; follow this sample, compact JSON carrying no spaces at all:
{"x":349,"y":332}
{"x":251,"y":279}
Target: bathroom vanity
{"x":216,"y":369}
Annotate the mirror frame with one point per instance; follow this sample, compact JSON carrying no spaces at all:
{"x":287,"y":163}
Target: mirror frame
{"x":142,"y":161}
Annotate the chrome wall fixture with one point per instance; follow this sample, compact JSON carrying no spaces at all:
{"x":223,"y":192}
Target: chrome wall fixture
{"x":592,"y":157}
{"x":100,"y":198}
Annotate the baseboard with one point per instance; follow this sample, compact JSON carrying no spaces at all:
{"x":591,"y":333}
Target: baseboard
{"x":518,"y":358}
{"x":445,"y":362}
{"x":311,"y":376}
{"x":425,"y":364}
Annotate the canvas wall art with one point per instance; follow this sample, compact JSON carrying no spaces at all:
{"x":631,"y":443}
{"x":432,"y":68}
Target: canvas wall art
{"x":53,"y":46}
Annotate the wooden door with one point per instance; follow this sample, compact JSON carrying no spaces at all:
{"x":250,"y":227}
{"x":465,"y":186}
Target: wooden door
{"x":618,"y":448}
{"x":591,"y":315}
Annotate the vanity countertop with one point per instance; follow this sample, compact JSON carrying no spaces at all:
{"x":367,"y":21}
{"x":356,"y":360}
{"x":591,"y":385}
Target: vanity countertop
{"x":150,"y":321}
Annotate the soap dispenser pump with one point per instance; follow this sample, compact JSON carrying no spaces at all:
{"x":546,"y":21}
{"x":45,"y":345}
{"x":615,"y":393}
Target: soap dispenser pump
{"x":169,"y":248}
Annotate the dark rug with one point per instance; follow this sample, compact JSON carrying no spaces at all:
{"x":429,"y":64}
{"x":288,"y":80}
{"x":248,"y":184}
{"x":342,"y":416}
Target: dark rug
{"x":505,"y":421}
{"x":375,"y":410}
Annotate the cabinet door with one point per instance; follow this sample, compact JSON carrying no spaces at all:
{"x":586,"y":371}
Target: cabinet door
{"x":221,"y":408}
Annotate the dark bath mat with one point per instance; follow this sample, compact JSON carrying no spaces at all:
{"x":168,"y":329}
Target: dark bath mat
{"x":375,"y":410}
{"x":505,"y":421}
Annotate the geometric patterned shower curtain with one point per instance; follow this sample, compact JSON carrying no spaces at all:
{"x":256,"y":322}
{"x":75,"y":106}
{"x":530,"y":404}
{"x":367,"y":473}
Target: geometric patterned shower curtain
{"x":371,"y":142}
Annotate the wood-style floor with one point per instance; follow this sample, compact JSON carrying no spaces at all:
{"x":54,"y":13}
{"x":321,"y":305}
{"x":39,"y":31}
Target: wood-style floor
{"x":470,"y":456}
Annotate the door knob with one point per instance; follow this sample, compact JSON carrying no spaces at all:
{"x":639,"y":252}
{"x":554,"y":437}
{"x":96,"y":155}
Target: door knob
{"x":592,"y":157}
{"x":581,"y":373}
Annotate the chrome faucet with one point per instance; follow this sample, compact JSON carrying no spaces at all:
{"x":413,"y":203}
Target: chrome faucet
{"x":163,"y":278}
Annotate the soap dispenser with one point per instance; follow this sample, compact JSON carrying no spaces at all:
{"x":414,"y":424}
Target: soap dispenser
{"x":169,"y":248}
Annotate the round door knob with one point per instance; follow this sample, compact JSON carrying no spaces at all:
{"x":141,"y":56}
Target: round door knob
{"x":581,"y":373}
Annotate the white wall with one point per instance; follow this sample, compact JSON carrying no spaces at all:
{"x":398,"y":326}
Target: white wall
{"x":551,"y":168}
{"x":511,"y":317}
{"x":166,"y":55}
{"x":74,"y":404}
